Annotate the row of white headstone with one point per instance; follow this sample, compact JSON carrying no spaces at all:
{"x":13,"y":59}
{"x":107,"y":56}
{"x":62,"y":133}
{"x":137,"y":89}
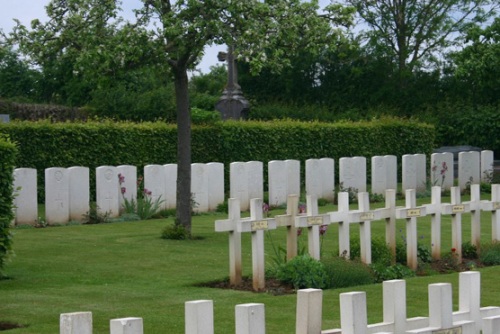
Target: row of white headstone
{"x":256,"y":224}
{"x":470,"y":318}
{"x":67,"y":189}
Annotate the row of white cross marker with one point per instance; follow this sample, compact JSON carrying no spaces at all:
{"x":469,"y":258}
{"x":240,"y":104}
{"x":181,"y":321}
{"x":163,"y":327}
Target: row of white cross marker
{"x":344,"y":216}
{"x":470,"y":318}
{"x":67,"y":192}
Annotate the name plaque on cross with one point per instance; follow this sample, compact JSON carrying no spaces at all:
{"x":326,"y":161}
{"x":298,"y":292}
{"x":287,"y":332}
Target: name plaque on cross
{"x":456,"y":330}
{"x":365,"y":216}
{"x":496,"y":205}
{"x":458,"y":209}
{"x":259,"y":225}
{"x":311,"y":221}
{"x":413,"y":213}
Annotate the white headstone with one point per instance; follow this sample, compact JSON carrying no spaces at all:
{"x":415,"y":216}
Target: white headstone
{"x":352,"y":173}
{"x":320,"y":178}
{"x":215,"y":172}
{"x":25,"y":201}
{"x":293,"y":182}
{"x":255,"y":179}
{"x":170,"y":186}
{"x":238,"y":184}
{"x":487,"y":166}
{"x":278,"y":182}
{"x":353,"y":313}
{"x":414,"y":172}
{"x":75,"y":323}
{"x":154,"y":181}
{"x":79,"y":192}
{"x":379,"y":175}
{"x":199,"y":317}
{"x":468,"y":169}
{"x":126,"y":326}
{"x":56,"y":195}
{"x":309,"y":311}
{"x":107,"y":185}
{"x":128,"y":183}
{"x":442,"y":173}
{"x":199,"y":186}
{"x":250,"y":319}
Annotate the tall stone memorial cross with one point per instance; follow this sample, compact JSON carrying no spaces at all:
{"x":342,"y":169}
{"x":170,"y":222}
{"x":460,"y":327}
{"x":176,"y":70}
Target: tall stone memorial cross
{"x":494,"y":207}
{"x":230,"y":225}
{"x":389,"y":214}
{"x":232,"y":104}
{"x":288,"y":220}
{"x":313,"y":220}
{"x":341,"y":216}
{"x":411,"y":212}
{"x":434,"y":210}
{"x":257,"y":225}
{"x":455,"y":209}
{"x":475,"y":214}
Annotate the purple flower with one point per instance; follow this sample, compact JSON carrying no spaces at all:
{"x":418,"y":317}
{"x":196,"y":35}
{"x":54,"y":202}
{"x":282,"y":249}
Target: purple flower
{"x":302,"y":208}
{"x":299,"y":231}
{"x":121,"y":178}
{"x":147,"y":192}
{"x":124,"y":190}
{"x":323,"y":229}
{"x":265,"y":208}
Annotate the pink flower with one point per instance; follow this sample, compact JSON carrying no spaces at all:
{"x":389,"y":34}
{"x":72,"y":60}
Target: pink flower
{"x":265,"y":208}
{"x":147,"y":192}
{"x":121,"y":178}
{"x":299,"y":231}
{"x":302,"y":208}
{"x":124,"y":190}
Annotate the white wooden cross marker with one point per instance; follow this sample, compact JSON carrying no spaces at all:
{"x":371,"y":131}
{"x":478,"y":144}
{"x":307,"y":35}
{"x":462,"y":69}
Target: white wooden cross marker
{"x":288,"y":220}
{"x":229,"y":225}
{"x":341,"y":216}
{"x":257,"y":225}
{"x":312,"y":221}
{"x":389,"y":213}
{"x":434,"y":209}
{"x":475,"y":214}
{"x":494,"y":207}
{"x":410,"y":213}
{"x":455,"y":209}
{"x":364,"y":216}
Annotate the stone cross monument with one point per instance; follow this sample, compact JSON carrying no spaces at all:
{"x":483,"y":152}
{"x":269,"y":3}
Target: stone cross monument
{"x":232,"y":104}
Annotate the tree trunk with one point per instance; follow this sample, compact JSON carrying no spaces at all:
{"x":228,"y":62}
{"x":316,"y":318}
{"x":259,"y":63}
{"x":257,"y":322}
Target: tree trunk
{"x":183,"y":207}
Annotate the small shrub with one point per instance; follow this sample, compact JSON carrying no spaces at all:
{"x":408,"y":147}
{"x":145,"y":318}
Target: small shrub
{"x":303,"y":272}
{"x":469,"y":251}
{"x":175,"y":232}
{"x":424,"y":254}
{"x":380,"y":251}
{"x":95,"y":215}
{"x":322,"y":202}
{"x":490,"y":254}
{"x":385,"y":273}
{"x":342,"y":273}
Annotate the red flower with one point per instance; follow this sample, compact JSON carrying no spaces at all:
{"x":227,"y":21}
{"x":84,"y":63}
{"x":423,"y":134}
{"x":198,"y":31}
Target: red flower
{"x":453,"y":250}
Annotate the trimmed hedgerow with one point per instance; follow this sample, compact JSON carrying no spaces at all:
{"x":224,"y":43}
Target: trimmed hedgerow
{"x":44,"y":144}
{"x":7,"y":162}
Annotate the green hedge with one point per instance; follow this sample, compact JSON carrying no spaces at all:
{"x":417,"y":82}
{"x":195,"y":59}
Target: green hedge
{"x":7,"y":162}
{"x":44,"y":144}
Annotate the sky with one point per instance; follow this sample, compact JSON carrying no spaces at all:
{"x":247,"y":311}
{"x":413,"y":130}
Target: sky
{"x":27,"y":10}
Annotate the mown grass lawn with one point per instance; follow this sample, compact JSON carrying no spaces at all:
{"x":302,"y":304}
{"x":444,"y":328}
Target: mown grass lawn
{"x":125,"y":269}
